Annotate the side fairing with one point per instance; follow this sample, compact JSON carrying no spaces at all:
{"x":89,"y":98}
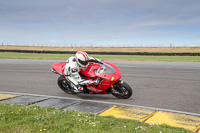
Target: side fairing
{"x":109,"y":76}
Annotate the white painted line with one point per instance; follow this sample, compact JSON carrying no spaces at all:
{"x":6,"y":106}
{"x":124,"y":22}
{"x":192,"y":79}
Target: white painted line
{"x":121,"y":104}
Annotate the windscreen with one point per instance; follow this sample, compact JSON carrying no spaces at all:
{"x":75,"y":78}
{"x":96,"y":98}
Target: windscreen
{"x":108,"y":69}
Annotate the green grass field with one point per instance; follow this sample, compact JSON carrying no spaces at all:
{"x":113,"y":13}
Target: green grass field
{"x":34,"y":119}
{"x":13,"y":55}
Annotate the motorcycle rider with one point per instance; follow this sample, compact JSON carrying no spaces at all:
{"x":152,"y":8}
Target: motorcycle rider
{"x":72,"y":68}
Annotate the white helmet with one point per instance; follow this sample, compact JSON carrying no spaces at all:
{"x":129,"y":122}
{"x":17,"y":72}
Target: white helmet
{"x":82,"y":58}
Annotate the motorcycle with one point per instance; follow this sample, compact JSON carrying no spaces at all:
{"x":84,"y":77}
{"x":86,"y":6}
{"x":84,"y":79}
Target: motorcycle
{"x":106,"y":77}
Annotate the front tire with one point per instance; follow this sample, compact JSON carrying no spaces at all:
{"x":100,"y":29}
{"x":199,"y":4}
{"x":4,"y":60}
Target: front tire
{"x":64,"y":85}
{"x":121,"y":90}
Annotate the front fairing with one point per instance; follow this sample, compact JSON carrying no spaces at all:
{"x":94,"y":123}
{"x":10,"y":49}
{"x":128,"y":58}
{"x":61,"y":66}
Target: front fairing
{"x":113,"y":76}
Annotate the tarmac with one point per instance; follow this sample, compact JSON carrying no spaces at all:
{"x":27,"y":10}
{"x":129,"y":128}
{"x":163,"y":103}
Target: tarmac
{"x":190,"y":121}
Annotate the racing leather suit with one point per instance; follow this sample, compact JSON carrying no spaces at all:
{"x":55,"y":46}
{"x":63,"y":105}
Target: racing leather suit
{"x":72,"y":70}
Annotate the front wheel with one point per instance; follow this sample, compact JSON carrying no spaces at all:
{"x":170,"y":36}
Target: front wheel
{"x":121,"y":90}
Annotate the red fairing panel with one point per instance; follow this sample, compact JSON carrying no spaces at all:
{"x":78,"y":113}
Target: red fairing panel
{"x":89,"y":71}
{"x":59,"y":67}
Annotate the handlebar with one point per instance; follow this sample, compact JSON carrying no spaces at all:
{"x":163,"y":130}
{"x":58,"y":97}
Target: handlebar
{"x":101,"y":68}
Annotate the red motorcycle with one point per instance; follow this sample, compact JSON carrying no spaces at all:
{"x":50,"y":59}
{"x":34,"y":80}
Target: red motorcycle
{"x":106,"y":79}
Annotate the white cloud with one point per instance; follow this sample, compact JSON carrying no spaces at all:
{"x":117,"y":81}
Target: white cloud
{"x":98,"y":21}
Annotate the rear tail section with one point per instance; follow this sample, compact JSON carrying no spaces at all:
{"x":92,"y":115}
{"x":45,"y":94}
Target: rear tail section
{"x":58,"y":68}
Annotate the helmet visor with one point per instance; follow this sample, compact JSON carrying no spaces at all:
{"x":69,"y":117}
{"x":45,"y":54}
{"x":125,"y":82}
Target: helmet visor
{"x":84,"y":63}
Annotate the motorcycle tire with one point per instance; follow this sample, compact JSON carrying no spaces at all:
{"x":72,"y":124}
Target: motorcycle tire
{"x":63,"y":84}
{"x":123,"y":89}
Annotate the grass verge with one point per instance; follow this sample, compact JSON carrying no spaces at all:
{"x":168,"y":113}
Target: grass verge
{"x":107,"y":49}
{"x":29,"y":119}
{"x":13,"y":55}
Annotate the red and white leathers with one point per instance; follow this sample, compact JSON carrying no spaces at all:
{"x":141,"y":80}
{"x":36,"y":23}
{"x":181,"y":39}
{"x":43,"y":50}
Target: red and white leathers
{"x":72,"y":70}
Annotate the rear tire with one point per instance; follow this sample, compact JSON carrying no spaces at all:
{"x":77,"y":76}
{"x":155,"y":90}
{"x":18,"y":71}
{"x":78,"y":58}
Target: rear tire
{"x":64,"y":85}
{"x":121,"y":90}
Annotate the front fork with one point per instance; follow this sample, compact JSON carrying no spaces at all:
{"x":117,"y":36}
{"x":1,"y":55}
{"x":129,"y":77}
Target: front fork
{"x":114,"y":87}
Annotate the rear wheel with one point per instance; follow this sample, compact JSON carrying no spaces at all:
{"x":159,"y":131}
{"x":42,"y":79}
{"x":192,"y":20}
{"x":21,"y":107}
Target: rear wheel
{"x":64,"y":85}
{"x":121,"y":90}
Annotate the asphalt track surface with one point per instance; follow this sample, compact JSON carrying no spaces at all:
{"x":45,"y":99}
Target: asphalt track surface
{"x":167,"y":85}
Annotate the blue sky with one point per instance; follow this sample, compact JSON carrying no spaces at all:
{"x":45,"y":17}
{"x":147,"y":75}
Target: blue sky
{"x":100,"y":22}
